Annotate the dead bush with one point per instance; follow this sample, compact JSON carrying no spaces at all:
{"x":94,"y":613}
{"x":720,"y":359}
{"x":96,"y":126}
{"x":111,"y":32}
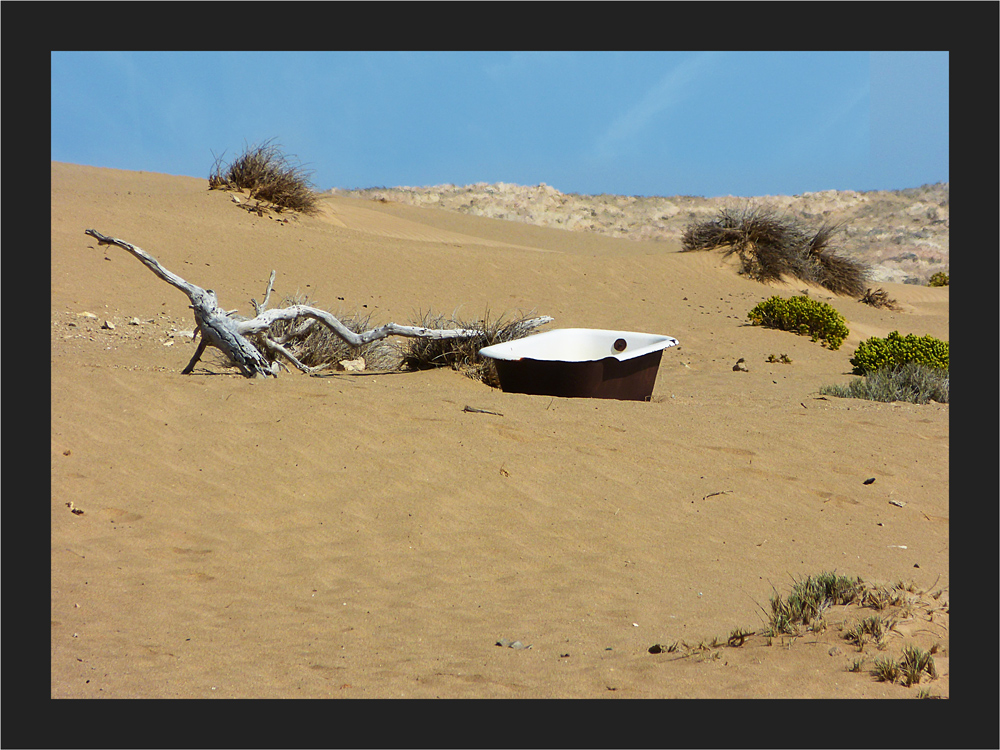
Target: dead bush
{"x":771,"y":246}
{"x":268,"y":175}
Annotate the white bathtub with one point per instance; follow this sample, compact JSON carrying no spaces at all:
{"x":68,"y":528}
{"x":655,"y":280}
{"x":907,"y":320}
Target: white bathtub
{"x":581,"y":363}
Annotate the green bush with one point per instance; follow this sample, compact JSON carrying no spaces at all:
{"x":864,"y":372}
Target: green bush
{"x":804,"y":316}
{"x":895,"y":350}
{"x":938,"y":279}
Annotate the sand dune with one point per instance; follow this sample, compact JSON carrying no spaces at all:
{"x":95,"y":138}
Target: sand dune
{"x":903,"y":235}
{"x":365,"y":536}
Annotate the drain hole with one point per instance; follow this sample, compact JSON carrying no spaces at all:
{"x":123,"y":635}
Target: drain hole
{"x":620,"y":345}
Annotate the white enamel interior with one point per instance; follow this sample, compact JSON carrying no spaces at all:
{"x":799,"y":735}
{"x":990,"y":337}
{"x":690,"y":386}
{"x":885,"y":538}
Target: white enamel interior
{"x":578,"y":345}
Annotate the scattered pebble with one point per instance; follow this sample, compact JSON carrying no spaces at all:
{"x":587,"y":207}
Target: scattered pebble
{"x":512,"y":644}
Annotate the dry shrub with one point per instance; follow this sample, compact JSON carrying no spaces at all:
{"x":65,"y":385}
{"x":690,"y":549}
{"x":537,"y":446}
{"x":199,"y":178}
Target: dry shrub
{"x":315,"y":345}
{"x":463,"y":353}
{"x":914,"y":382}
{"x":268,"y":175}
{"x":771,"y":246}
{"x":879,"y":298}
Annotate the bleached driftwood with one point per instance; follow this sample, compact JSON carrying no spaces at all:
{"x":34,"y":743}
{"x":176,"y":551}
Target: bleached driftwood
{"x":220,"y":329}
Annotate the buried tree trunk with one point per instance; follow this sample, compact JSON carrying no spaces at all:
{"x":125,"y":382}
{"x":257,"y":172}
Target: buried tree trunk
{"x":220,"y":329}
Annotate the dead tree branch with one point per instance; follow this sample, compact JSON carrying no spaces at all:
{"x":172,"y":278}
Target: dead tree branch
{"x":228,"y":334}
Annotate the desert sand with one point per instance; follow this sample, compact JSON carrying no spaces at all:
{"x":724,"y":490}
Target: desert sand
{"x":362,"y":535}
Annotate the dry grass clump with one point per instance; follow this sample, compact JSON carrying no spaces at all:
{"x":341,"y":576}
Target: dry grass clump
{"x":318,"y":347}
{"x":772,"y":246}
{"x":809,"y":598}
{"x":913,"y":382}
{"x":879,"y":298}
{"x":872,"y":629}
{"x":909,"y":670}
{"x":268,"y":175}
{"x":463,"y":353}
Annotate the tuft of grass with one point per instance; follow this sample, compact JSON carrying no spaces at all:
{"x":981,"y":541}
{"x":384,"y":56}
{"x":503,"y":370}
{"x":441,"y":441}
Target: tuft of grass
{"x":879,"y":298}
{"x":913,"y":382}
{"x":872,"y":629}
{"x":771,"y":246}
{"x":915,"y":664}
{"x":886,"y":669}
{"x":809,"y":598}
{"x":909,"y":670}
{"x":315,"y":345}
{"x":938,"y":279}
{"x":269,"y":175}
{"x":463,"y":353}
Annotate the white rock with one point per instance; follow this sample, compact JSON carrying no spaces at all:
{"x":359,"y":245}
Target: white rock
{"x":352,"y":365}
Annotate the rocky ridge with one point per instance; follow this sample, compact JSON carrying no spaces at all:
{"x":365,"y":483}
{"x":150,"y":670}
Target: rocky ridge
{"x":901,"y":234}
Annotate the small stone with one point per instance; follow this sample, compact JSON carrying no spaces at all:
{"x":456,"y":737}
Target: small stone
{"x":108,"y":325}
{"x":741,"y":366}
{"x":835,"y":651}
{"x":134,"y":322}
{"x":517,"y":645}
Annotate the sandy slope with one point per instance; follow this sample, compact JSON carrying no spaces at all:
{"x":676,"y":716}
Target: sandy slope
{"x":363,"y":536}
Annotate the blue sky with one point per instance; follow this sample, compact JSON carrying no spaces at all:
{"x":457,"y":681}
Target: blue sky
{"x":625,"y":123}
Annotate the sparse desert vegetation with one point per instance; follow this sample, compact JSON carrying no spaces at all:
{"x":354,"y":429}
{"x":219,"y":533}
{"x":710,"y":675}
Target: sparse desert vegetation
{"x":809,"y":598}
{"x":319,"y":348}
{"x":416,"y":531}
{"x":804,"y":316}
{"x":895,"y":350}
{"x":807,"y":610}
{"x":901,"y":234}
{"x":463,"y":354}
{"x":879,"y":298}
{"x":898,"y":368}
{"x":771,"y":246}
{"x":268,"y":174}
{"x":914,"y":382}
